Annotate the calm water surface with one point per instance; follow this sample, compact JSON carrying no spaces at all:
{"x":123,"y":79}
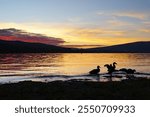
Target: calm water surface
{"x":49,"y":67}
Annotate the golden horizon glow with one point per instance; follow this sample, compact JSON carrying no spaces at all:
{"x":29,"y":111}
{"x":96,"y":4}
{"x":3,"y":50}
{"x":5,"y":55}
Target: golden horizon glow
{"x":76,"y":22}
{"x":76,"y":35}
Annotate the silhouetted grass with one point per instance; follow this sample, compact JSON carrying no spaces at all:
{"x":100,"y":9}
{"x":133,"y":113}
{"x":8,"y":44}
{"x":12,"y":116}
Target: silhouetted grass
{"x":79,"y":90}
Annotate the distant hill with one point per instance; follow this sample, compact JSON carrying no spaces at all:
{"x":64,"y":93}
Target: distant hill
{"x":26,"y":47}
{"x":136,"y":47}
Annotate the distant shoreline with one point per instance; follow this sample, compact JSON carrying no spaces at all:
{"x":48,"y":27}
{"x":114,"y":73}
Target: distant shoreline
{"x":75,"y":52}
{"x":76,"y":90}
{"x":26,"y":47}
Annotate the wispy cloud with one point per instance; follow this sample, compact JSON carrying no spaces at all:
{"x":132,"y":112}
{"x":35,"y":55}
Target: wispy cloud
{"x":96,"y":32}
{"x":115,"y":22}
{"x":137,"y":15}
{"x":146,"y":23}
{"x":129,"y":14}
{"x":145,"y":30}
{"x":74,"y":19}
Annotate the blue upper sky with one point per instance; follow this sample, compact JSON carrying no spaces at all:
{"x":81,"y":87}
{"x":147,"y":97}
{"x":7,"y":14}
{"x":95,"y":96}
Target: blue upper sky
{"x":99,"y":20}
{"x":60,"y":10}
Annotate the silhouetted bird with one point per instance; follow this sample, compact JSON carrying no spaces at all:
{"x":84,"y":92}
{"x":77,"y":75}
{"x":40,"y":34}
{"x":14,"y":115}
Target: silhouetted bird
{"x":111,"y":68}
{"x":131,"y":71}
{"x":108,"y":67}
{"x":95,"y":71}
{"x":114,"y":66}
{"x":128,"y":71}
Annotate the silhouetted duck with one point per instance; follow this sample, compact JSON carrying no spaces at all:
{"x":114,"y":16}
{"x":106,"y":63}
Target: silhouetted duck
{"x":114,"y":66}
{"x":95,"y":71}
{"x":111,"y":68}
{"x":128,"y":71}
{"x":108,"y":67}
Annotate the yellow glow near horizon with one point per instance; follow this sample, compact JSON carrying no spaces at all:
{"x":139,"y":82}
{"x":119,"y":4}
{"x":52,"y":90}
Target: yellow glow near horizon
{"x":75,"y":35}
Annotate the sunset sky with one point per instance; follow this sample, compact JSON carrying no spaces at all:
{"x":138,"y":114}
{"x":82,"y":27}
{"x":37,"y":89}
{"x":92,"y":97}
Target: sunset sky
{"x":80,"y":22}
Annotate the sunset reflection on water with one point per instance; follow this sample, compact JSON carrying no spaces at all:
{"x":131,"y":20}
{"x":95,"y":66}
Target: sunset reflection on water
{"x":72,"y":63}
{"x":69,"y":64}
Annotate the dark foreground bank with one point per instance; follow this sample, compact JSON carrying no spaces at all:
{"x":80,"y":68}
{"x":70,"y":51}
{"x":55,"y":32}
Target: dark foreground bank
{"x":62,"y":90}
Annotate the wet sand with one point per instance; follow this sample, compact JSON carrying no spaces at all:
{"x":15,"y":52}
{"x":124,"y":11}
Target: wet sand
{"x":76,"y":90}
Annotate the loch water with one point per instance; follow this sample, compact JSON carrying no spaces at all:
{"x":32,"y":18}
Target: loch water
{"x":65,"y":66}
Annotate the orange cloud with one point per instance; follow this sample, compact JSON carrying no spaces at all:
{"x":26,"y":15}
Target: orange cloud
{"x":19,"y":35}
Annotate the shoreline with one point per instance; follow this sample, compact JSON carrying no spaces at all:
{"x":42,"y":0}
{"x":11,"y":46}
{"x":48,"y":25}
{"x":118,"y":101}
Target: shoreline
{"x":76,"y":90}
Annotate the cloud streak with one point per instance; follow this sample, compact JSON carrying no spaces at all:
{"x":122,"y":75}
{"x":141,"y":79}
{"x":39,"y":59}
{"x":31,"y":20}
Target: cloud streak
{"x":129,"y":14}
{"x":85,"y":32}
{"x":145,"y":30}
{"x":19,"y":35}
{"x":137,"y":15}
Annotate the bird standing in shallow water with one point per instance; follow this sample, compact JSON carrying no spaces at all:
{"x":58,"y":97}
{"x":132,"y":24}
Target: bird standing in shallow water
{"x":114,"y":66}
{"x":111,"y":68}
{"x":95,"y":71}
